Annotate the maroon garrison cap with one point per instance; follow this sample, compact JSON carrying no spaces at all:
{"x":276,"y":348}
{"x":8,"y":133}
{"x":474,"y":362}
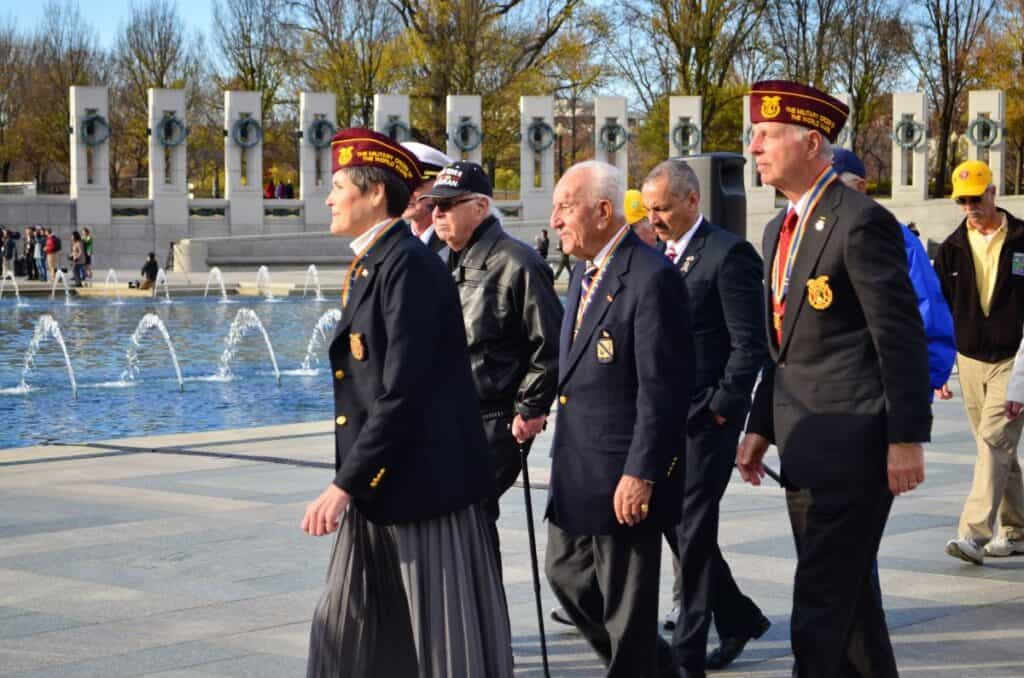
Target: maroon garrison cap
{"x":357,"y":146}
{"x":796,"y":104}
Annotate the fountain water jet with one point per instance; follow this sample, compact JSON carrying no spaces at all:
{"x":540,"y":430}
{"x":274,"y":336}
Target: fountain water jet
{"x":319,"y":336}
{"x":311,"y":272}
{"x":9,"y":275}
{"x":111,"y":273}
{"x":263,"y":283}
{"x":216,"y":275}
{"x":61,"y":276}
{"x":149,"y":321}
{"x":161,"y":277}
{"x":245,"y":319}
{"x":46,"y":326}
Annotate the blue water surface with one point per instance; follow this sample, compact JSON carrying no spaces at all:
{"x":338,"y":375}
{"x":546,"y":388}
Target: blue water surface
{"x":97,"y":335}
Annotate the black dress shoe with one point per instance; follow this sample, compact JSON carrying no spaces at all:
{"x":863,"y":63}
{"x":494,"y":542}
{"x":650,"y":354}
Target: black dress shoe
{"x":731,"y":648}
{"x":559,"y":615}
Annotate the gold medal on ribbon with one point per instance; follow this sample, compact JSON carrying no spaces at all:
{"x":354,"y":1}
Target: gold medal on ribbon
{"x":605,"y":348}
{"x":356,"y":346}
{"x":819,"y":294}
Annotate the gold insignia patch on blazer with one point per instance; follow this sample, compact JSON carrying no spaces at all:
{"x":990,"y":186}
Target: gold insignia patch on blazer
{"x":819,"y":294}
{"x":605,"y":348}
{"x":356,"y":346}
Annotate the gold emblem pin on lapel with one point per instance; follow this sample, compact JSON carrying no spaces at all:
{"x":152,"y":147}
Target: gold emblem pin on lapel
{"x":819,"y":225}
{"x":356,"y":346}
{"x":364,"y":273}
{"x":819,"y":294}
{"x":605,"y":348}
{"x":610,"y":298}
{"x":687,"y":263}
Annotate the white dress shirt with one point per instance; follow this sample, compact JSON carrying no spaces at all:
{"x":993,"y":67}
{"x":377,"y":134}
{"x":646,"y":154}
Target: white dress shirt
{"x":679,"y":246}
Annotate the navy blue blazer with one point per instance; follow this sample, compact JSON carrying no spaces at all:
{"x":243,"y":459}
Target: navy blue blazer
{"x":624,"y":393}
{"x":409,"y":445}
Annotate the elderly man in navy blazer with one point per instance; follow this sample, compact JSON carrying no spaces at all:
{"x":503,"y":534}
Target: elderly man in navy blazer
{"x":625,"y":365}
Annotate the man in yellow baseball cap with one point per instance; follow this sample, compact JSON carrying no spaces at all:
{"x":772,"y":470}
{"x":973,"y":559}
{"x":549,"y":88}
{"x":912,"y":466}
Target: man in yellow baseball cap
{"x":981,"y":270}
{"x":971,"y":179}
{"x":636,"y":217}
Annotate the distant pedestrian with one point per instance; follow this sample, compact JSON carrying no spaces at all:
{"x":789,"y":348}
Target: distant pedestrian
{"x":8,"y":246}
{"x":149,"y":272}
{"x":28,"y":243}
{"x":39,"y":252}
{"x":77,"y":258}
{"x":564,"y":264}
{"x":87,"y":243}
{"x":268,"y":190}
{"x":53,"y":247}
{"x":542,"y":244}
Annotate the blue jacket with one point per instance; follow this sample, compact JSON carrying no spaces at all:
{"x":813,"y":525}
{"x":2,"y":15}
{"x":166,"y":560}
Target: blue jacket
{"x":938,"y":321}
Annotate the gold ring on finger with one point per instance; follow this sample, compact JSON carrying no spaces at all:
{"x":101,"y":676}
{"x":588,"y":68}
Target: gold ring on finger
{"x":644,"y":508}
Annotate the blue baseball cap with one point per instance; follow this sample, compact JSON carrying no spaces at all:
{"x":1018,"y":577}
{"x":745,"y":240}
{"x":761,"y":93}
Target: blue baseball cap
{"x":844,"y":160}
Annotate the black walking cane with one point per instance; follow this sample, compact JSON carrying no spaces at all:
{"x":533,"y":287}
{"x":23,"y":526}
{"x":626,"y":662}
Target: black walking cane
{"x":533,"y":560}
{"x":770,"y":473}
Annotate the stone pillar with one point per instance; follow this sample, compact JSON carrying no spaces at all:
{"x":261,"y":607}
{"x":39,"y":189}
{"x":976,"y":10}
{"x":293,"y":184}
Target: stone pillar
{"x":243,"y":167}
{"x":845,"y":138}
{"x":315,"y":163}
{"x":168,"y":169}
{"x":537,"y":168}
{"x":464,"y":113}
{"x":909,"y":166}
{"x":391,"y":116}
{"x":610,"y":111}
{"x":760,"y":198}
{"x":683,"y":112}
{"x":990,"y":104}
{"x":90,"y":164}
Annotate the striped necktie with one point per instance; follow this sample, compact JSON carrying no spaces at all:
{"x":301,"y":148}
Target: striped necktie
{"x":588,"y":280}
{"x":585,"y":284}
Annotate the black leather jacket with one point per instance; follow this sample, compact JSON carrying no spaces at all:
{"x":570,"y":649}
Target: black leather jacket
{"x":513,"y":318}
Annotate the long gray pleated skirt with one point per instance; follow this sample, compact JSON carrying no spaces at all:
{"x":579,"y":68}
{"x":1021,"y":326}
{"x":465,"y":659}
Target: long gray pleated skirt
{"x":417,"y":600}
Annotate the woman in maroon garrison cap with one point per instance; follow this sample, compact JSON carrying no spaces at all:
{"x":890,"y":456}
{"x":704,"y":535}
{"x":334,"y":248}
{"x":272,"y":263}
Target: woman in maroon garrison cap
{"x":413,"y":587}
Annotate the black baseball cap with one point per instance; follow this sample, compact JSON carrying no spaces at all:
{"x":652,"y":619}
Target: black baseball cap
{"x":460,"y":178}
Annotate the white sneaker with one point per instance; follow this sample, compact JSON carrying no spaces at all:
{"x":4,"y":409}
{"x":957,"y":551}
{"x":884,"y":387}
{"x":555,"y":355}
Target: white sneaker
{"x":671,"y":618}
{"x":966,"y":549}
{"x":1001,"y":547}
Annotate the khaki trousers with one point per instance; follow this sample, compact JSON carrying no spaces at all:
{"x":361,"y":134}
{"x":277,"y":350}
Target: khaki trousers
{"x":997,"y":486}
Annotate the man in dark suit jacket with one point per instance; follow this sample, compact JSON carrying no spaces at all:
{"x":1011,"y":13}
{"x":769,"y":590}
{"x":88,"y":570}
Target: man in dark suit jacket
{"x":617,"y":456}
{"x":723,"y":280}
{"x":411,"y":462}
{"x":845,"y":396}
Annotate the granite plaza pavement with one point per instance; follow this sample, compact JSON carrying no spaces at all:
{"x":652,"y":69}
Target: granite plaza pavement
{"x":180,"y":556}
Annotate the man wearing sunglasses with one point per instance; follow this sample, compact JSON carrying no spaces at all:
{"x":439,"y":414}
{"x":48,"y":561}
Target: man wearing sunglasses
{"x":512,"y":317}
{"x":981,"y":270}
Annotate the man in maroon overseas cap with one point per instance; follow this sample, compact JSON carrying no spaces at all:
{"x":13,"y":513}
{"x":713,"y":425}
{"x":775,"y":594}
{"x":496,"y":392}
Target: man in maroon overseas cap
{"x":413,"y":588}
{"x":845,"y":395}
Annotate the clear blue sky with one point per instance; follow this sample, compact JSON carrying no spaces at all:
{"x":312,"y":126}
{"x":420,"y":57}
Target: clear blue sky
{"x":106,"y":16}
